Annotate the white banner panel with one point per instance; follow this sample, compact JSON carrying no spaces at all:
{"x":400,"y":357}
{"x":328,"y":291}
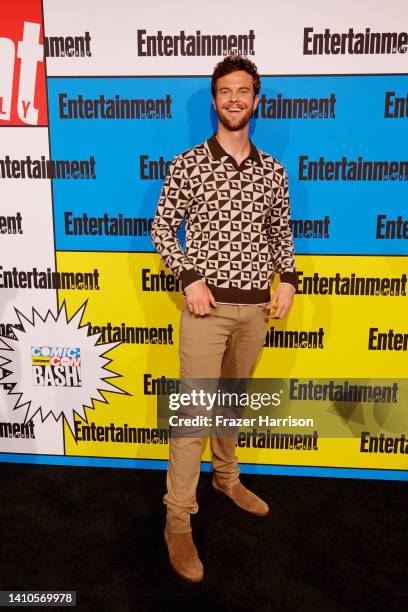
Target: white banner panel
{"x":26,"y":218}
{"x":179,"y":38}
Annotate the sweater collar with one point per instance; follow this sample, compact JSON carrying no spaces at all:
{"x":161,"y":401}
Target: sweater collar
{"x":218,"y":152}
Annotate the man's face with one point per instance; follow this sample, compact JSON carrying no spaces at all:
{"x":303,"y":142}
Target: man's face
{"x":234,"y":99}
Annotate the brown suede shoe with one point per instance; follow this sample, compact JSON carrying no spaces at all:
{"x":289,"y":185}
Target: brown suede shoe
{"x":243,"y":498}
{"x":183,"y":556}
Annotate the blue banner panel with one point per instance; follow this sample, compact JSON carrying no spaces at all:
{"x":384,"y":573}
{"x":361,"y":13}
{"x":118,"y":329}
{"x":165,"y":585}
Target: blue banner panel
{"x":341,"y":138}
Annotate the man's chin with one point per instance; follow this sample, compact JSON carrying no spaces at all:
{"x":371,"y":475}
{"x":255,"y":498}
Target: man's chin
{"x":232,"y":126}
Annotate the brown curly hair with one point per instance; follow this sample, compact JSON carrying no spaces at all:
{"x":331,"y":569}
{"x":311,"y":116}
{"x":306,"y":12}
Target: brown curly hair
{"x":232,"y":63}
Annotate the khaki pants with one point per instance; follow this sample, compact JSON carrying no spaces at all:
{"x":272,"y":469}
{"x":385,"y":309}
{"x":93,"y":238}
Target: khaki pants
{"x":226,"y":344}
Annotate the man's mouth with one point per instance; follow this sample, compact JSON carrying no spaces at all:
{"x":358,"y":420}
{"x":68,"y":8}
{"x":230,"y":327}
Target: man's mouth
{"x":234,"y":110}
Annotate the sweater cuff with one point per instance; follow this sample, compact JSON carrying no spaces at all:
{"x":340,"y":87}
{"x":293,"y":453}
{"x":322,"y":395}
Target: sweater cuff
{"x":291,"y":278}
{"x":189,"y":276}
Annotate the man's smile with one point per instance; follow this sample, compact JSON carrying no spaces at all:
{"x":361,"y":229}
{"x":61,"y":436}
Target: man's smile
{"x":234,"y":109}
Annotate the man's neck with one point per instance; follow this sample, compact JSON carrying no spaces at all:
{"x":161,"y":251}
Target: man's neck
{"x":235,"y":143}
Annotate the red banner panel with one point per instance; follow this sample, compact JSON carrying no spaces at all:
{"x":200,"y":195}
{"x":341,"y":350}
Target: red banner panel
{"x":23,"y":99}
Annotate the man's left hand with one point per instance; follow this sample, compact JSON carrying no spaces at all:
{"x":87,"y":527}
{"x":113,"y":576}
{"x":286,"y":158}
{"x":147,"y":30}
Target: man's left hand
{"x":281,"y":302}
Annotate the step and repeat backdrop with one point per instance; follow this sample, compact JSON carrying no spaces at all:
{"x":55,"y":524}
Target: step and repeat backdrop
{"x":96,"y":99}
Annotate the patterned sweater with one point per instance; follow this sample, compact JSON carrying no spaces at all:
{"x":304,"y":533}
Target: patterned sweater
{"x":237,"y":222}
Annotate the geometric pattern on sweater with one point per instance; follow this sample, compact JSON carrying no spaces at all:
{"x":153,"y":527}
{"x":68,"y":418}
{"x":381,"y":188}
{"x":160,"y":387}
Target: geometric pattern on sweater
{"x":237,"y":219}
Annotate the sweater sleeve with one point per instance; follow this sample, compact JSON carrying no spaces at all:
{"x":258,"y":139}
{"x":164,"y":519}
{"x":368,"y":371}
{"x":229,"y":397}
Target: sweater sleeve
{"x":171,"y":208}
{"x":280,"y":234}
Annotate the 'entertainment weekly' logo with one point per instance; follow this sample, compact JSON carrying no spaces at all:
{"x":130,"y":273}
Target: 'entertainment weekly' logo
{"x":22,"y":82}
{"x":56,"y":366}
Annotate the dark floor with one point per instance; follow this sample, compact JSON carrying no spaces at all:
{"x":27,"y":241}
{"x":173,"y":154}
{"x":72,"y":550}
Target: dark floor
{"x":328,"y":544}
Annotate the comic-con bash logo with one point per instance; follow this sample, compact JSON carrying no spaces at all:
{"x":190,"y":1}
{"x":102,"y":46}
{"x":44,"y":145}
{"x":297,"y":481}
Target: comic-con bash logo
{"x":56,"y":366}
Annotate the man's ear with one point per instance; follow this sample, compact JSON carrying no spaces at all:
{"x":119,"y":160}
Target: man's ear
{"x":213,"y":101}
{"x":256,"y":102}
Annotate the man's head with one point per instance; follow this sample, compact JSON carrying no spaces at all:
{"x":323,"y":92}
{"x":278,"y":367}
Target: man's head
{"x":235,"y":85}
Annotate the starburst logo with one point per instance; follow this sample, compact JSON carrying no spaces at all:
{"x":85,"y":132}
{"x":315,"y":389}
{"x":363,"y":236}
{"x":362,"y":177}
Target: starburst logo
{"x":55,"y":366}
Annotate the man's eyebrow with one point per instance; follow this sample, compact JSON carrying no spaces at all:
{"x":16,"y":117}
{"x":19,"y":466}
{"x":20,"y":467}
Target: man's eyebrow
{"x":241,"y":87}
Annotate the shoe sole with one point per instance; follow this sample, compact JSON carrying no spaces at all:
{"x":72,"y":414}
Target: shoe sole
{"x":183,"y":576}
{"x":223,"y":494}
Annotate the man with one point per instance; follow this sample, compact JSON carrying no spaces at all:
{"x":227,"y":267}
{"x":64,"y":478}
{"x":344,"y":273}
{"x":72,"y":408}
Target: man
{"x":236,"y":202}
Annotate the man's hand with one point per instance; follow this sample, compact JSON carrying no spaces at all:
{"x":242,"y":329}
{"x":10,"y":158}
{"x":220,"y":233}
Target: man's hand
{"x":281,"y":302}
{"x":199,"y":299}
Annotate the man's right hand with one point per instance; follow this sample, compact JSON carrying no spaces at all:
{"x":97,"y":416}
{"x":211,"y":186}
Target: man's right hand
{"x":199,"y":299}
